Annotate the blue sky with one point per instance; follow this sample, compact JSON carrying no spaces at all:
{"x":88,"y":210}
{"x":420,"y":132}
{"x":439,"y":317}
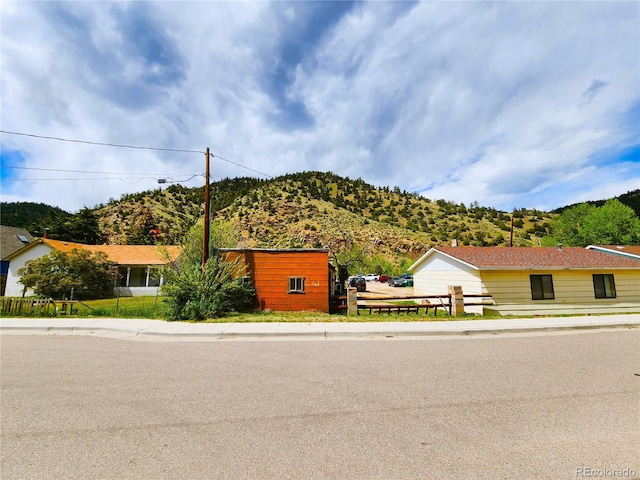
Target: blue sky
{"x":511,"y":104}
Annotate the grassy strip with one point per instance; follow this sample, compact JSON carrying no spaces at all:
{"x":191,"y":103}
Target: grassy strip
{"x":153,"y":308}
{"x":124,"y":307}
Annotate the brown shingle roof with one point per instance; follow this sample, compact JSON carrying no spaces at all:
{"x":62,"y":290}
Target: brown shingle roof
{"x":122,"y":254}
{"x":537,"y":258}
{"x":9,"y":241}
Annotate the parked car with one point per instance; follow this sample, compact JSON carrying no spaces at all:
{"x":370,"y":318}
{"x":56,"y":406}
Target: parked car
{"x":371,"y":277}
{"x":397,"y":282}
{"x":359,"y":283}
{"x":383,"y":278}
{"x":408,"y":280}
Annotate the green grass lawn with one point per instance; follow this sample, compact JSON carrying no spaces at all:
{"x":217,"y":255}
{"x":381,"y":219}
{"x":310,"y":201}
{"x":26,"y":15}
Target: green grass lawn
{"x":148,"y":307}
{"x":123,"y":307}
{"x":154,"y":308}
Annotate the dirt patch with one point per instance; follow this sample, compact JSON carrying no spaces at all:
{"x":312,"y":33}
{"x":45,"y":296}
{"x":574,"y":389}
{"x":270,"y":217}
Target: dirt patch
{"x":378,"y":289}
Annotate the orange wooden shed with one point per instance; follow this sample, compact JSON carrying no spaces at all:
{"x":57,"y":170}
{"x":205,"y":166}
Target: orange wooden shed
{"x":289,"y":279}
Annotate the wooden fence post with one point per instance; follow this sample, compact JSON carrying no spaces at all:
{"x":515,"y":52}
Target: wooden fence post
{"x":352,"y":301}
{"x":457,"y":300}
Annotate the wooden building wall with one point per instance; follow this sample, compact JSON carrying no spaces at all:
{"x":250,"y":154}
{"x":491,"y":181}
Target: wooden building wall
{"x":270,"y":271}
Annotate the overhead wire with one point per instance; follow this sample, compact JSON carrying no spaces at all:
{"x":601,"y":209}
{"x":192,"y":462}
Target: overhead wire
{"x":94,"y":172}
{"x":242,"y":166}
{"x":125,"y":180}
{"x":101,"y":143}
{"x":165,"y":176}
{"x":124,"y":146}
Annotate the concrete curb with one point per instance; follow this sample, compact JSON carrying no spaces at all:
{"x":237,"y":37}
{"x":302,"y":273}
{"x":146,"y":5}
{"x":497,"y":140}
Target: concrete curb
{"x":158,"y":329}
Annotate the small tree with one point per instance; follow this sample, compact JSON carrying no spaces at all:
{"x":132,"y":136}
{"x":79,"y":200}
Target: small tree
{"x":79,"y":273}
{"x":345,"y":254}
{"x":196,"y":295}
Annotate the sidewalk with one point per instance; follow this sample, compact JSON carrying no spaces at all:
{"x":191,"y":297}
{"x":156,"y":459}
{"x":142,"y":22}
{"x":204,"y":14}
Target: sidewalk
{"x":180,"y":331}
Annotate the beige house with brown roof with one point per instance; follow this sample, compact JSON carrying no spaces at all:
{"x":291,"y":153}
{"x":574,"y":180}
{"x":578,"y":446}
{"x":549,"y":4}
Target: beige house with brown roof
{"x":135,"y":264}
{"x":533,"y":280}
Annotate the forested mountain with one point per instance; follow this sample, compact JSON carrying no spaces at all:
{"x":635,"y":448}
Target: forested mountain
{"x":29,"y":215}
{"x":309,"y":209}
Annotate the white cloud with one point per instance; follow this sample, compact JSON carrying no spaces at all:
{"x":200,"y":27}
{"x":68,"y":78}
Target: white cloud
{"x":505,"y":103}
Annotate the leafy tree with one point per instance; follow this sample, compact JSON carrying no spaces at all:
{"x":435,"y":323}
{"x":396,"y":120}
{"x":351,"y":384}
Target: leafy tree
{"x":567,"y":226}
{"x":78,"y":273}
{"x":611,"y":224}
{"x":196,"y":295}
{"x":84,"y":227}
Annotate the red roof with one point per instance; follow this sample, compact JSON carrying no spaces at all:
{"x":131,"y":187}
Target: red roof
{"x":534,"y":258}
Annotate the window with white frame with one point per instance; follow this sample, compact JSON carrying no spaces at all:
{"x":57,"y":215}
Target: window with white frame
{"x":296,"y":284}
{"x":604,"y":285}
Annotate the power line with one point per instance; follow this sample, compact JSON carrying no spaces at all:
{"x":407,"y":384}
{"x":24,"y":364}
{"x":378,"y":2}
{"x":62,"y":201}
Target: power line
{"x":242,"y":166}
{"x":129,"y":146}
{"x":100,"y":143}
{"x":165,"y":176}
{"x":94,"y":172}
{"x":125,"y":180}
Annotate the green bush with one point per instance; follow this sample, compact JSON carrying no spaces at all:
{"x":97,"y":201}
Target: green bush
{"x":196,"y":295}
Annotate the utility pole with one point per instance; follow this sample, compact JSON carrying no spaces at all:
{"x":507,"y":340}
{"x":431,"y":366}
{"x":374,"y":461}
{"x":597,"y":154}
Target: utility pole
{"x":511,"y":239}
{"x":205,"y":241}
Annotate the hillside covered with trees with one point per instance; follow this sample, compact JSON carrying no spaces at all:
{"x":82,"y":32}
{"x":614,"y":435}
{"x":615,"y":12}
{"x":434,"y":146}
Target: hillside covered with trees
{"x":310,"y":209}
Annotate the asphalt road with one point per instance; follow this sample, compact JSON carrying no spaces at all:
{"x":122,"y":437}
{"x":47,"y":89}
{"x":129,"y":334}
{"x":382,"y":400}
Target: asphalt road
{"x":550,"y":406}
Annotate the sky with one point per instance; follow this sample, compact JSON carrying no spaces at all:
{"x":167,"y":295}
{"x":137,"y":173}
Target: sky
{"x":509,"y":104}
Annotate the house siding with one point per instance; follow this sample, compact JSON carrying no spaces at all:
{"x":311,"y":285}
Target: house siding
{"x":270,"y":272}
{"x":13,"y":287}
{"x":510,"y":287}
{"x":573,"y":291}
{"x":434,"y":276}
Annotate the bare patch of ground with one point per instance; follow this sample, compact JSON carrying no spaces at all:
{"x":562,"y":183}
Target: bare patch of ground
{"x":383,"y":289}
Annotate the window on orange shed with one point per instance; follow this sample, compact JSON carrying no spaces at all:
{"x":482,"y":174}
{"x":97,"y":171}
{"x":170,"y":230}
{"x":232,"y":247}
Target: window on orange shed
{"x":296,"y":285}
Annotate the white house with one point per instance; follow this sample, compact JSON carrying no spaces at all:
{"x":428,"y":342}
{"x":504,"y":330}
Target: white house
{"x":134,"y":262}
{"x":12,"y":239}
{"x":533,"y":280}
